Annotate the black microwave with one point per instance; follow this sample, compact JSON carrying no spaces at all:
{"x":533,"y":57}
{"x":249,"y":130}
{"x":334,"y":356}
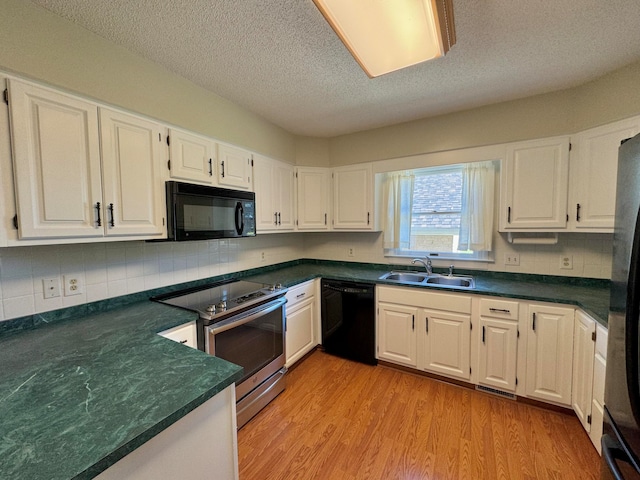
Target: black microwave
{"x":198,"y":212}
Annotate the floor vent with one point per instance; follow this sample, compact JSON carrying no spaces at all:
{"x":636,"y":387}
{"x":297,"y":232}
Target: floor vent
{"x":495,"y":391}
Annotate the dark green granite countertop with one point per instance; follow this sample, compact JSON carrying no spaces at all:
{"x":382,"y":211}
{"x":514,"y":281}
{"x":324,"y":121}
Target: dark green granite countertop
{"x":592,"y":296}
{"x":82,"y":387}
{"x":79,"y":394}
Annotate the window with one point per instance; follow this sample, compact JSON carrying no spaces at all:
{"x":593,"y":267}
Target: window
{"x":445,"y":212}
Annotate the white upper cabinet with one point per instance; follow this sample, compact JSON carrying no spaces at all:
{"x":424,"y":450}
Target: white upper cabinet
{"x":56,"y":160}
{"x":192,"y":157}
{"x":313,"y":193}
{"x":353,"y":197}
{"x":594,"y":170}
{"x":535,"y":186}
{"x":234,"y":168}
{"x":132,"y":152}
{"x":274,"y":187}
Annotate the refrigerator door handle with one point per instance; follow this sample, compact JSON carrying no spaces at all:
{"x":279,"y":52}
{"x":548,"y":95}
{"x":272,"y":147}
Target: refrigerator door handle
{"x":610,"y":452}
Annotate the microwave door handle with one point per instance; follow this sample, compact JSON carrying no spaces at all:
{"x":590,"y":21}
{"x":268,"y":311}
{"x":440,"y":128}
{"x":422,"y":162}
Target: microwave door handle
{"x":239,"y":218}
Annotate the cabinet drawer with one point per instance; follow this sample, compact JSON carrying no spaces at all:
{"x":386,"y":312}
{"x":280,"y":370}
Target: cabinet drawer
{"x":185,"y":334}
{"x":300,"y":292}
{"x":499,"y":308}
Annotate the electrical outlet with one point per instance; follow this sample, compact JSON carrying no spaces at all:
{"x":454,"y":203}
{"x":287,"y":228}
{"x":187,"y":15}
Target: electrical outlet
{"x":51,"y":287}
{"x":72,"y":285}
{"x":511,"y":259}
{"x":566,"y":262}
{"x":351,"y":252}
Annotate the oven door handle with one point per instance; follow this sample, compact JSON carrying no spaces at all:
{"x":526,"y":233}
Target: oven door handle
{"x":246,"y":317}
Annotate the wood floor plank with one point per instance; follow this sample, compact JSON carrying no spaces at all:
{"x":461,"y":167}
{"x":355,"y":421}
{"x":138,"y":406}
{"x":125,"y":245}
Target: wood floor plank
{"x":339,"y":419}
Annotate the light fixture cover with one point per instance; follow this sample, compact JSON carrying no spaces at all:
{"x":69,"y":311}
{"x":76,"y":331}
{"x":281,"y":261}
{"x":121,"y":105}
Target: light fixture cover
{"x":387,"y":35}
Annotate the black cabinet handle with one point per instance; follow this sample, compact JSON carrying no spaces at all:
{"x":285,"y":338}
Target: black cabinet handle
{"x":368,"y":217}
{"x":99,"y":221}
{"x":222,"y":165}
{"x":577,"y":212}
{"x":499,"y":310}
{"x":275,"y":218}
{"x":301,"y":295}
{"x":211,"y":167}
{"x":413,"y":322}
{"x":112,"y":222}
{"x":508,"y":214}
{"x":533,"y":325}
{"x":325,"y":218}
{"x":279,"y":218}
{"x":483,"y":334}
{"x":426,"y":324}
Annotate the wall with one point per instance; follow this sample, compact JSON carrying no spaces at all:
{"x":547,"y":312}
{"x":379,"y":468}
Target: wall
{"x":612,"y":97}
{"x":41,"y":45}
{"x":112,"y":269}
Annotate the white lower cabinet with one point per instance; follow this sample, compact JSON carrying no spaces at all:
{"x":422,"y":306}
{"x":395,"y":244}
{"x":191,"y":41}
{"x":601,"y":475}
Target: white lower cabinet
{"x":550,"y":354}
{"x":583,"y":355}
{"x":302,"y":321}
{"x":446,"y":343}
{"x":397,"y":339}
{"x":597,"y":402}
{"x":425,"y":330}
{"x":184,"y":334}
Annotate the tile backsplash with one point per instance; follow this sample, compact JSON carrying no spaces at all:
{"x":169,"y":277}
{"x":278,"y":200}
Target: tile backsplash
{"x":106,"y":270}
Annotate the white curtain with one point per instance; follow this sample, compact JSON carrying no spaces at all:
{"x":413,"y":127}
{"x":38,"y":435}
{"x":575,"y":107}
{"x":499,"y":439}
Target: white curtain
{"x":397,"y":199}
{"x":476,"y":223}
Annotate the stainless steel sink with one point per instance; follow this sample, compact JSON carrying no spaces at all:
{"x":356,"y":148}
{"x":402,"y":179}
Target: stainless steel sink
{"x":434,"y":279}
{"x":464,"y":282}
{"x":404,"y":277}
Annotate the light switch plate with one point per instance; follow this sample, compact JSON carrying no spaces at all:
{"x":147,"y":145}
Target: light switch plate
{"x":512,"y":259}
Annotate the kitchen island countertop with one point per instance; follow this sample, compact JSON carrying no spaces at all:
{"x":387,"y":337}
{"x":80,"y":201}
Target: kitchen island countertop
{"x":78,"y":395}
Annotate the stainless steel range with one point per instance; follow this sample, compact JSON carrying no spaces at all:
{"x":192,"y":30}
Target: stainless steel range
{"x":244,"y":323}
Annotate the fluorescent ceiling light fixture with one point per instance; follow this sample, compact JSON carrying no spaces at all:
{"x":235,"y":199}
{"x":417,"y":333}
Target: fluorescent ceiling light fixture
{"x":387,"y":35}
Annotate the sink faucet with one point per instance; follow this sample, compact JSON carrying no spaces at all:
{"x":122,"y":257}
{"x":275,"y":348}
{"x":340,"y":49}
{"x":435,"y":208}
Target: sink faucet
{"x":427,"y":264}
{"x":451,"y":270}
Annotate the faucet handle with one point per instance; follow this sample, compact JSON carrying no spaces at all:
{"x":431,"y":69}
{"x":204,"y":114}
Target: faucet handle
{"x":450,"y":270}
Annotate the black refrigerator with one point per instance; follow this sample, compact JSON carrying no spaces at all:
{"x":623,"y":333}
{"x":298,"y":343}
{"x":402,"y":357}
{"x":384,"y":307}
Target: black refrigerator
{"x":621,"y":434}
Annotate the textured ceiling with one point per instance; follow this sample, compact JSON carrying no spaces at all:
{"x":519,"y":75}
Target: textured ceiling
{"x":281,"y":60}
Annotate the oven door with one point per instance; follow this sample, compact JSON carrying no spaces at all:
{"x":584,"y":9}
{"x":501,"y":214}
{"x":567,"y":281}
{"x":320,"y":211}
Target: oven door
{"x":254,"y":340}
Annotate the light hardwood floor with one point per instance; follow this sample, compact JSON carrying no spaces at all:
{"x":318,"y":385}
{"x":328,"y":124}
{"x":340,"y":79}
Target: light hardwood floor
{"x":345,"y":420}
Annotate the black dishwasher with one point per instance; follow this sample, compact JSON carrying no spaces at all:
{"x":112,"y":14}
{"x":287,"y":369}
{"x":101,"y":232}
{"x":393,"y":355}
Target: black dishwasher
{"x":348,"y":320}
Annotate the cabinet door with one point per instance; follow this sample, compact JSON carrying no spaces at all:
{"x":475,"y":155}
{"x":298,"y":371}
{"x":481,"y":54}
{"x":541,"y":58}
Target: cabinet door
{"x":352,"y":198}
{"x":397,"y":339}
{"x":132,"y":152}
{"x":234,"y":168}
{"x":446,"y":345}
{"x":283,"y":174}
{"x":192,"y":157}
{"x":550,"y":354}
{"x":184,"y":334}
{"x":300,"y":330}
{"x":498,"y":353}
{"x":535,"y":185}
{"x":594,"y":172}
{"x":265,"y":188}
{"x":599,"y":370}
{"x":583,"y":355}
{"x":313,"y":198}
{"x":56,"y":161}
